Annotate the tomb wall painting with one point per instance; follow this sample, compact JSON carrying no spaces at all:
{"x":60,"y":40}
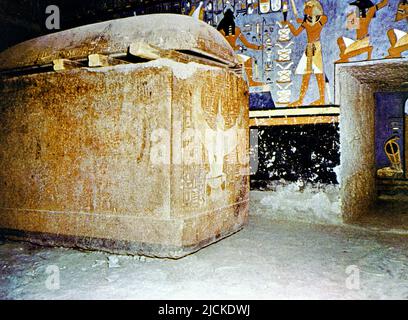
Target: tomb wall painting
{"x":406,"y":138}
{"x":351,"y":31}
{"x":390,"y":134}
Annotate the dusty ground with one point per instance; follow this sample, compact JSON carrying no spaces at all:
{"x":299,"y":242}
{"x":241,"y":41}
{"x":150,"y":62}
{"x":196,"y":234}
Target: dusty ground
{"x":387,"y":215}
{"x":267,"y":260}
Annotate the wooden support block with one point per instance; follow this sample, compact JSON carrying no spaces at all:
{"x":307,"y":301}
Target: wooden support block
{"x":146,"y":51}
{"x":100,"y":60}
{"x":143,"y":50}
{"x":65,"y":64}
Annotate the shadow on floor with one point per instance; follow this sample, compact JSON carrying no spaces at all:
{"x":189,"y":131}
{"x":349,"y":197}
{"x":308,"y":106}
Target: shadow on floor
{"x":388,"y":215}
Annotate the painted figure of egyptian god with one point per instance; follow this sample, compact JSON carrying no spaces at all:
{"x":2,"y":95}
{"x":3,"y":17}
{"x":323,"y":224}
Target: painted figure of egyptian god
{"x":232,"y":33}
{"x":350,"y":48}
{"x":398,"y":38}
{"x":312,"y":60}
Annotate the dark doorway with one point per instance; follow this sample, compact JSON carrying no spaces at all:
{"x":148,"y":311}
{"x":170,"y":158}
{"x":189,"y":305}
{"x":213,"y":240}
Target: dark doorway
{"x":391,"y":149}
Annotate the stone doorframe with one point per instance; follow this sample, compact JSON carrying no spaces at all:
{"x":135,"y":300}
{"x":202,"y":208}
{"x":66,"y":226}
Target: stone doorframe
{"x":355,"y":85}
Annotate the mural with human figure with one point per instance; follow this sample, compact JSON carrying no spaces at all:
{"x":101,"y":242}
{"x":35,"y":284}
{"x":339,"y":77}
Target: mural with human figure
{"x":232,"y":33}
{"x":390,"y":134}
{"x":398,"y":38}
{"x":366,"y":11}
{"x":311,"y":61}
{"x":289,"y":47}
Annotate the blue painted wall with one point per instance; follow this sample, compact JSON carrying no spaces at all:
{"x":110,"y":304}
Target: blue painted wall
{"x":336,"y":10}
{"x":389,"y":115}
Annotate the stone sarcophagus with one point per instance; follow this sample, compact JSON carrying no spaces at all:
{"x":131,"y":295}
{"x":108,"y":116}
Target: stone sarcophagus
{"x":124,"y":136}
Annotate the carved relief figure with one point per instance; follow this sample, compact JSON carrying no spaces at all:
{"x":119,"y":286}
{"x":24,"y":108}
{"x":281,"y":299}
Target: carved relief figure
{"x":232,"y":33}
{"x":351,"y":48}
{"x":311,"y":61}
{"x":218,"y":142}
{"x":398,"y":39}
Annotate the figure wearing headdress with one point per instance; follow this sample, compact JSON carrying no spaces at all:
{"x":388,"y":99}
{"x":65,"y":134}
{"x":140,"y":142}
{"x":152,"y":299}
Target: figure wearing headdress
{"x":312,"y":60}
{"x":398,"y":38}
{"x":232,"y":33}
{"x":366,"y":12}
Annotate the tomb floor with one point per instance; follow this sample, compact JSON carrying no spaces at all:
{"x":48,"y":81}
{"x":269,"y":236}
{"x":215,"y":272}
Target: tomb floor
{"x":388,"y":215}
{"x":269,"y":259}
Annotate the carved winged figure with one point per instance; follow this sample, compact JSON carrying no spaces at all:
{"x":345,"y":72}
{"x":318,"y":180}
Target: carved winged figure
{"x":218,"y":142}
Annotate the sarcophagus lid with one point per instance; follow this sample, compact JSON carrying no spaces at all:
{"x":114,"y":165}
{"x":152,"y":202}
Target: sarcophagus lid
{"x":164,"y":31}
